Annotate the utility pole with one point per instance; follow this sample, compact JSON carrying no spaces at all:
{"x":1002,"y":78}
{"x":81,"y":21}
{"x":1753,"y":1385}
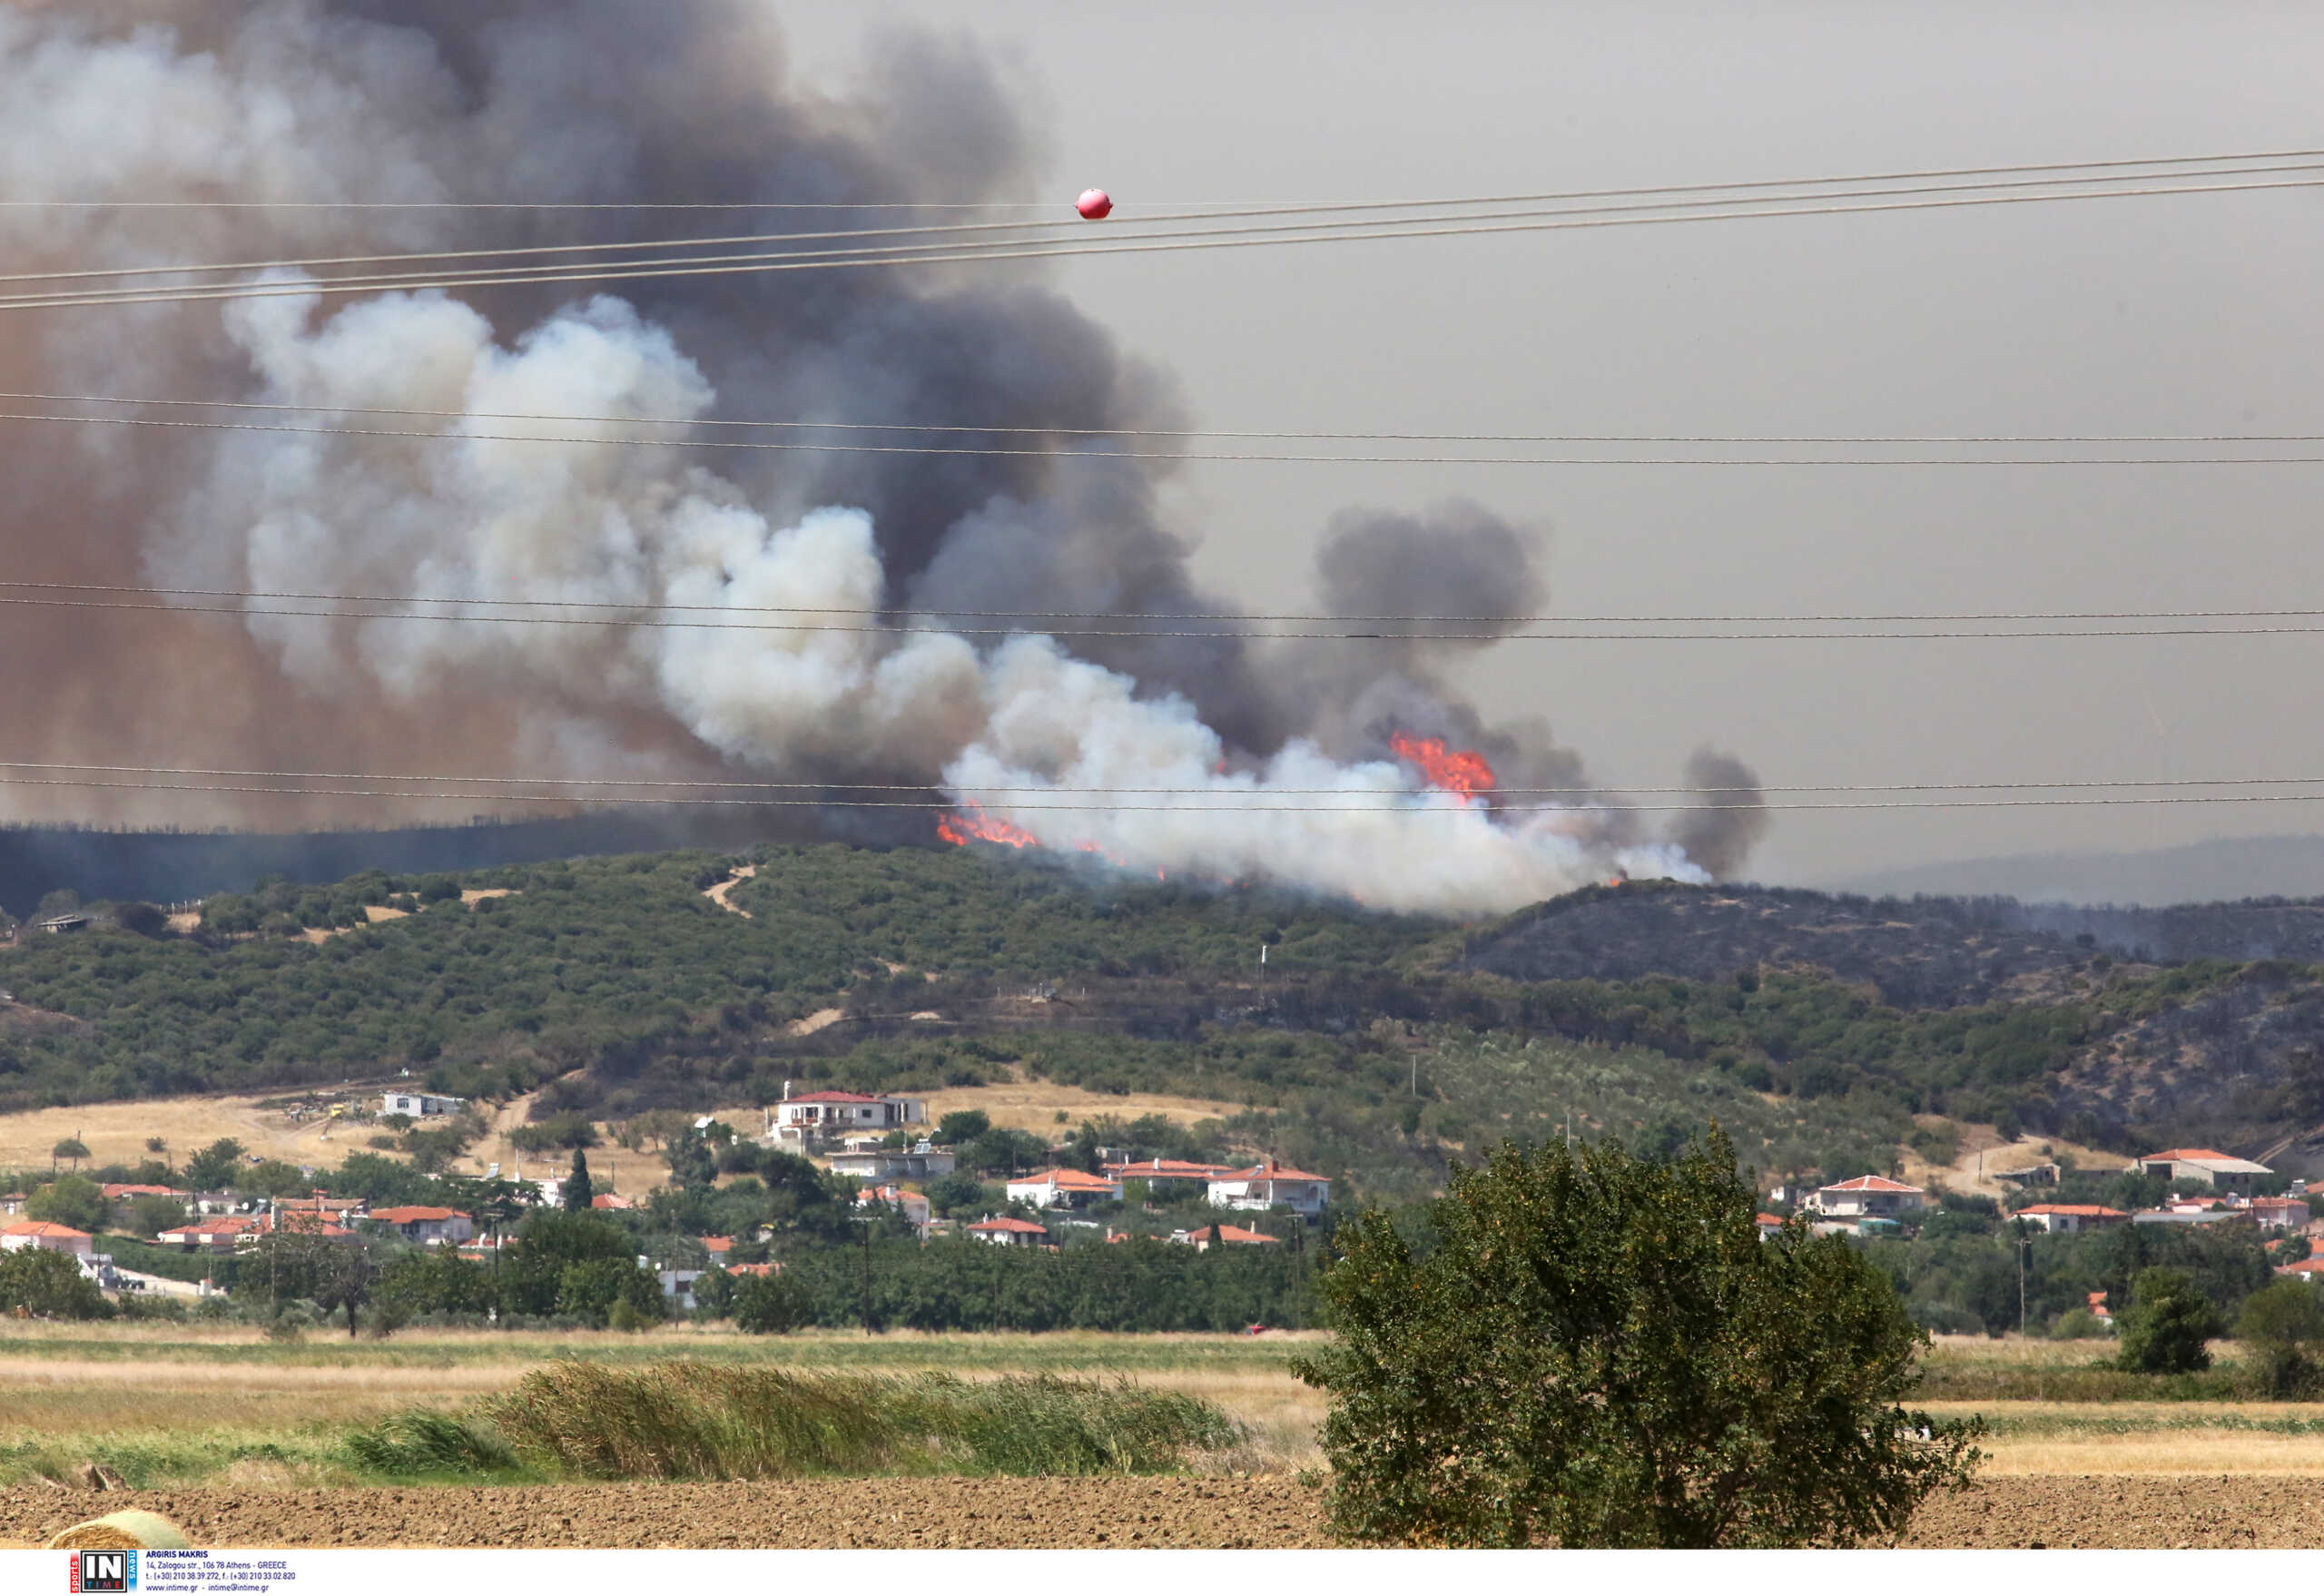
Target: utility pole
{"x":866,"y":1276}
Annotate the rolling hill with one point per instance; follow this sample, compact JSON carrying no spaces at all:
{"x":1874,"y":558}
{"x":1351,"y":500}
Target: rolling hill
{"x":1827,"y":1031}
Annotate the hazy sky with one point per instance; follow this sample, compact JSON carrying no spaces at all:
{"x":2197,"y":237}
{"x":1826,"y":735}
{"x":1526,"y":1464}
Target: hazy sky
{"x":2183,"y":314}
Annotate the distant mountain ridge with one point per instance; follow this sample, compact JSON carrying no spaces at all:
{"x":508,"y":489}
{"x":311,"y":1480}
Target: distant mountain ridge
{"x":2222,"y":869}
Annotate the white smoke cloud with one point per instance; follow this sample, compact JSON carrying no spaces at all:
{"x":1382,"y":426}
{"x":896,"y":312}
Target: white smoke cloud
{"x":632,"y":528}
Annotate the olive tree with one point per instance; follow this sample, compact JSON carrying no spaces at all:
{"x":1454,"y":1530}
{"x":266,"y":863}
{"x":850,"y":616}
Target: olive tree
{"x":1600,"y":1350}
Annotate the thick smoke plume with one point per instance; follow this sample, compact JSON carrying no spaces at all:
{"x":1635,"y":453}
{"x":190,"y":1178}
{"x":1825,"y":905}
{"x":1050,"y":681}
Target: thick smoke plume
{"x":1288,"y":768}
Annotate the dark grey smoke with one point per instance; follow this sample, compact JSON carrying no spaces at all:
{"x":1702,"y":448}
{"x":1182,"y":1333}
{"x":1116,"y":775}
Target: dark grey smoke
{"x":1721,"y":833}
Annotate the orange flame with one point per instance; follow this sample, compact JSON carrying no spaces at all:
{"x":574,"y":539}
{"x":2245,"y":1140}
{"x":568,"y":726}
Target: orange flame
{"x":1459,"y":771}
{"x":969,"y":824}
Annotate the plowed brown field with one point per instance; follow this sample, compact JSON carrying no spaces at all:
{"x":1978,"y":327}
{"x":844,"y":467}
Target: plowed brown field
{"x":2057,"y":1511}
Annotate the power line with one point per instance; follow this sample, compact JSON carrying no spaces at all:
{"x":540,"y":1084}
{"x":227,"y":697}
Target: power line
{"x":1802,"y":438}
{"x":414,"y":778}
{"x":897,"y":629}
{"x":1430,"y":808}
{"x":2223,"y":165}
{"x":1223,"y":615}
{"x":1232,"y":238}
{"x":727,"y":205}
{"x":1246,"y":457}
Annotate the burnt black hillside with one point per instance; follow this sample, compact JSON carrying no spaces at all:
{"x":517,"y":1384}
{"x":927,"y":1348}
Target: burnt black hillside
{"x":1918,"y":953}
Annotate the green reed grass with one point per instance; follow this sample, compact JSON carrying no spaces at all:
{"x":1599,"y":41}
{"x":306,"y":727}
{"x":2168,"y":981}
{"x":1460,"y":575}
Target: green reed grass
{"x":696,"y":1421}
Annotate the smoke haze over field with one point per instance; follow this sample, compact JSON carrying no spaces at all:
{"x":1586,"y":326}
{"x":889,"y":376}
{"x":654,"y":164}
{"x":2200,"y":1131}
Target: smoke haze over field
{"x":1284,"y":753}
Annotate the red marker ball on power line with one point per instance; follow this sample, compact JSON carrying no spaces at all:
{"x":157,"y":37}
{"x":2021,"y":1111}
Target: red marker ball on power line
{"x":1095,"y":204}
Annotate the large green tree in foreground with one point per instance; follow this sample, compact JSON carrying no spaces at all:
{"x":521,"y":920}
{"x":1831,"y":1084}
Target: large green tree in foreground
{"x":1600,"y":1350}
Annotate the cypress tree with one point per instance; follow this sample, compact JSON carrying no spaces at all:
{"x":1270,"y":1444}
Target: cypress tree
{"x":578,"y":1192}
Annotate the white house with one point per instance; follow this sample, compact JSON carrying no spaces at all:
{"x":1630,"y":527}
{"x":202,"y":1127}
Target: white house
{"x":2221,"y":1171}
{"x":921,"y":1162}
{"x":40,"y":1233}
{"x":210,"y":1236}
{"x":2068,"y":1218}
{"x":428,"y":1226}
{"x":1869,"y":1197}
{"x":419,"y":1105}
{"x":814,"y":1117}
{"x":1064,"y":1188}
{"x":1007,"y":1232}
{"x":1265,"y":1185}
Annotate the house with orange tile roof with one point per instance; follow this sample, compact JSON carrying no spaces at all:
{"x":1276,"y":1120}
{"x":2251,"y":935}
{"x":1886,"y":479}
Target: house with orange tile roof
{"x":47,"y":1237}
{"x":912,"y":1204}
{"x":1203,"y":1238}
{"x":2068,"y":1218}
{"x":428,"y":1226}
{"x":1006,"y":1231}
{"x":116,"y":1192}
{"x":1064,"y":1188}
{"x":813,"y":1117}
{"x":1867,"y":1197}
{"x":606,"y":1200}
{"x":208,"y":1235}
{"x":1157,"y":1170}
{"x":1269,"y":1184}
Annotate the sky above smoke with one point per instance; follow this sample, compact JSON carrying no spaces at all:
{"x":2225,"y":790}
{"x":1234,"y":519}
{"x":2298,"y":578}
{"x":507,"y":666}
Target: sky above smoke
{"x":1261,"y":758}
{"x":2178,"y":315}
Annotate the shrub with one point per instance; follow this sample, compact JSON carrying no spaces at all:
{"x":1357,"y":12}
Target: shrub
{"x":2168,"y":1324}
{"x":771,"y":1305}
{"x":1601,"y":1349}
{"x":69,"y":1199}
{"x":2280,"y":1324}
{"x":48,"y":1285}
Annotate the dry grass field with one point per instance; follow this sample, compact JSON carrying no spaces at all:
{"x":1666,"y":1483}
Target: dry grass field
{"x":115,"y":1133}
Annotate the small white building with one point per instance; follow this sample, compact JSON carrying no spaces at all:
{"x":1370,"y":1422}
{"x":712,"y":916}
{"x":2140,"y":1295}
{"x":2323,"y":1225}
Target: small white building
{"x":1269,"y":1184}
{"x":1064,"y":1188}
{"x":1010,"y":1232}
{"x":921,"y":1162}
{"x":2070,"y":1219}
{"x":419,"y":1105}
{"x":1869,"y":1197}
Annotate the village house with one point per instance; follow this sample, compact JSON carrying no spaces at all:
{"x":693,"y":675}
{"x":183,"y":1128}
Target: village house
{"x":1769,"y":1224}
{"x":1869,"y":1197}
{"x":419,"y":1105}
{"x":428,"y":1227}
{"x":2191,"y":1214}
{"x":1156,"y":1171}
{"x":11,"y":1203}
{"x":118,"y":1193}
{"x":610,"y":1200}
{"x":912,"y":1204}
{"x":2220,"y":1171}
{"x":921,"y":1162}
{"x":1010,"y":1232}
{"x":822,"y":1117}
{"x":1064,"y":1188}
{"x":40,"y":1233}
{"x":2310,"y":1269}
{"x":2280,"y":1213}
{"x":208,"y":1235}
{"x":1209,"y":1236}
{"x":2068,"y":1218}
{"x":1268,"y":1184}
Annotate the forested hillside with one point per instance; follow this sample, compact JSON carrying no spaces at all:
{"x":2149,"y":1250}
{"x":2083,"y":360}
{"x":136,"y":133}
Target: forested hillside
{"x":1378,"y":1046}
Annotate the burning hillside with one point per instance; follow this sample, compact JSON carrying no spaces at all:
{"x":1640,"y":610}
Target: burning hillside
{"x":757,"y":612}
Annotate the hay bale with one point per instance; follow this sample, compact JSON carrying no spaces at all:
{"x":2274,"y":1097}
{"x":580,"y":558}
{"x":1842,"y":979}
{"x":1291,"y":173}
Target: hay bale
{"x":131,"y":1531}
